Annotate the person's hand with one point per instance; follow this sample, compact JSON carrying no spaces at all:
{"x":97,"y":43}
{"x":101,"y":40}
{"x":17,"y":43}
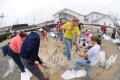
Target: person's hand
{"x":42,"y":65}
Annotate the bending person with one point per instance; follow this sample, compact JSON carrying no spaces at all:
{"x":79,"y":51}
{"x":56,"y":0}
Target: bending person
{"x":13,"y":49}
{"x":29,"y":54}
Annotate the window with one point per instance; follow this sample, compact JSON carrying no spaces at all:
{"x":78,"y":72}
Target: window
{"x":109,"y":25}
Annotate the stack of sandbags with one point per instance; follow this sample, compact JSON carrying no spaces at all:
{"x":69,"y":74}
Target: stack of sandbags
{"x":115,"y":41}
{"x":106,"y":37}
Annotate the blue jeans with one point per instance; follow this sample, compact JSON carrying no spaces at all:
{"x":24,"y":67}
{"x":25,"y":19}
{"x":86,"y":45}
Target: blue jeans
{"x":16,"y":59}
{"x":60,"y":36}
{"x":5,"y":50}
{"x":68,"y":44}
{"x":83,"y":63}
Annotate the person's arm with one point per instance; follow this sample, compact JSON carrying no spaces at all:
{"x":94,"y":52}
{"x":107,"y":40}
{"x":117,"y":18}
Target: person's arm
{"x":19,"y":44}
{"x":65,"y":26}
{"x":39,"y":60}
{"x":78,"y":36}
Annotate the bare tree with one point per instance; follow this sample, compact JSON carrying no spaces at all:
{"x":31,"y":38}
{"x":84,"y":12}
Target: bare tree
{"x":115,"y":18}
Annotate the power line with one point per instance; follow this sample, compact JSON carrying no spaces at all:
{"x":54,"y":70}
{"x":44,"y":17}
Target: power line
{"x":107,"y":6}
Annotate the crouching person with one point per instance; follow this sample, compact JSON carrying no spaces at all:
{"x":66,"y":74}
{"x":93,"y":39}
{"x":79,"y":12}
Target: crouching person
{"x":13,"y":49}
{"x":29,"y":54}
{"x":92,"y":58}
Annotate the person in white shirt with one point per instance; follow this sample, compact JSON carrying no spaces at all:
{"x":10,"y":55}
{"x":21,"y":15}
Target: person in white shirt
{"x":92,"y":58}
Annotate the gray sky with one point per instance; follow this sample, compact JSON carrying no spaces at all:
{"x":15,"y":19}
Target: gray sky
{"x":41,"y":10}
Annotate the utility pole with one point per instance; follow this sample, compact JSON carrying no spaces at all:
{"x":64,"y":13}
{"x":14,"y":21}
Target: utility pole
{"x":17,"y":21}
{"x":1,"y":17}
{"x":34,"y":20}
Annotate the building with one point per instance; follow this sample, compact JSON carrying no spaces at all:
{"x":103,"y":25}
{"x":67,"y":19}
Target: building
{"x":5,"y":29}
{"x":98,"y":18}
{"x":65,"y":15}
{"x":49,"y":22}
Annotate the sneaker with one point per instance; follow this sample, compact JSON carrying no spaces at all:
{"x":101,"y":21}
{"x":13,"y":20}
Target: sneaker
{"x":25,"y":76}
{"x":28,"y":72}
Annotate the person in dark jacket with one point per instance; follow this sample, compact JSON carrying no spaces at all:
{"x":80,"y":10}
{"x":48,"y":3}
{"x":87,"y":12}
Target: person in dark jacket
{"x":113,"y":33}
{"x":29,"y":54}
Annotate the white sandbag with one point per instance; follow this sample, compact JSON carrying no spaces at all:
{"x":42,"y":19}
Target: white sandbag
{"x":70,"y":74}
{"x":106,"y":37}
{"x":24,"y":76}
{"x":40,"y":29}
{"x":113,"y":60}
{"x":102,"y":58}
{"x":81,"y":73}
{"x":109,"y":62}
{"x":116,"y":41}
{"x":67,"y":75}
{"x":51,"y":34}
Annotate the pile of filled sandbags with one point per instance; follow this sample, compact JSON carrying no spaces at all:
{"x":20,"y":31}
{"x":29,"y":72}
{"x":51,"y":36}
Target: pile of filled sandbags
{"x":106,"y":37}
{"x":115,"y":41}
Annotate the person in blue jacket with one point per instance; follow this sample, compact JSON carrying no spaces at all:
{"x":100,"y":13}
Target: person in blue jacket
{"x":29,"y":54}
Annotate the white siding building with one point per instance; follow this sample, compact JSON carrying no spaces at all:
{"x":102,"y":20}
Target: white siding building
{"x":67,"y":15}
{"x":98,"y":18}
{"x":106,"y":20}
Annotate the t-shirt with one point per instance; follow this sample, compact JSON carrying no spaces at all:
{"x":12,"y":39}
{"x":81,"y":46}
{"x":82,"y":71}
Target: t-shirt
{"x":104,"y":27}
{"x":93,"y":54}
{"x":16,"y":43}
{"x":88,"y":36}
{"x":70,"y":34}
{"x":59,"y":27}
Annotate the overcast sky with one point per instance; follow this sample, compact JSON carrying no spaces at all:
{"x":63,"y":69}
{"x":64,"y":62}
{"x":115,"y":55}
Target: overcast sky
{"x":40,"y":10}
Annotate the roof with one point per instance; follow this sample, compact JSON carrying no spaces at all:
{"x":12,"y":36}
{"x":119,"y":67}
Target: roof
{"x":94,"y":12}
{"x":3,"y":29}
{"x":49,"y":22}
{"x":65,"y":9}
{"x":102,"y":18}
